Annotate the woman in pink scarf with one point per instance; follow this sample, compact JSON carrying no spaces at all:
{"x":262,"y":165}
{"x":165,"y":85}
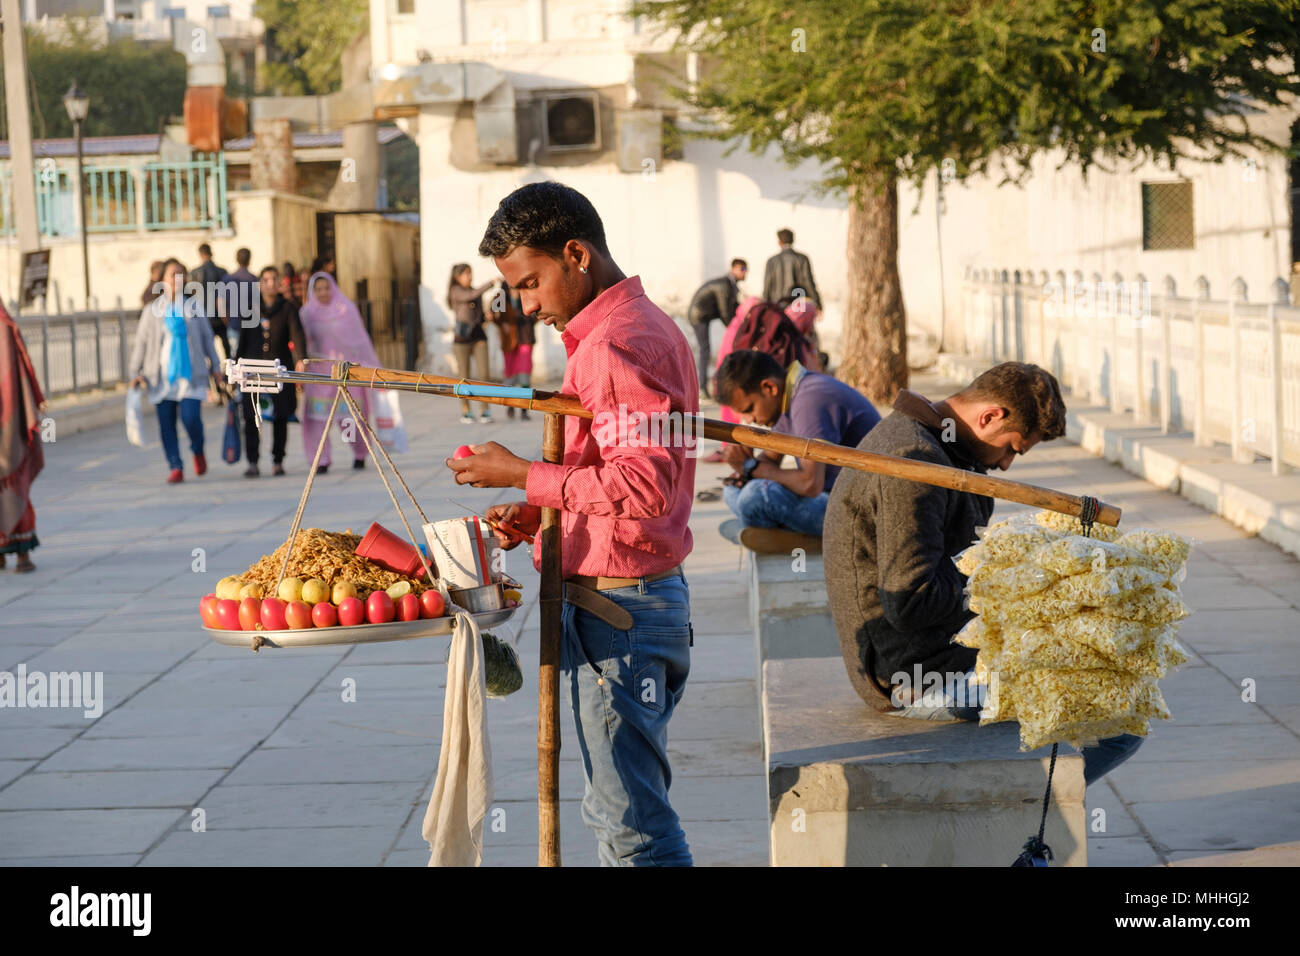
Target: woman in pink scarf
{"x":728,"y":337}
{"x":21,"y":453}
{"x":334,"y":331}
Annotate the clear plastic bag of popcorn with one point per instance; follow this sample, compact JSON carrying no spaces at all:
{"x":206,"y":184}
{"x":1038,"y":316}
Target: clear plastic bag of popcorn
{"x":1150,"y":702}
{"x":1110,"y":636}
{"x":1011,"y":541}
{"x":999,"y":698}
{"x":1085,"y":733}
{"x":1094,"y":694}
{"x":1095,"y":588}
{"x":979,"y":632}
{"x":992,"y":582}
{"x":1032,"y":611}
{"x":1150,"y":606}
{"x":1075,"y":554}
{"x":1163,"y":550}
{"x":1044,"y":648}
{"x":1066,"y":524}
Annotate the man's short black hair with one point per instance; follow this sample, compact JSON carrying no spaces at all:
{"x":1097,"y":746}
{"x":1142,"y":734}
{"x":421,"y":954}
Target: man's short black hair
{"x":746,"y":370}
{"x":243,"y":257}
{"x":205,"y":250}
{"x":785,"y":236}
{"x":543,"y":216}
{"x":266,"y":269}
{"x":740,"y":262}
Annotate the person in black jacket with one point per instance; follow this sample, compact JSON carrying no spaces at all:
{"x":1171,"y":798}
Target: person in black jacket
{"x":211,"y":276}
{"x":716,"y":299}
{"x":279,"y":335}
{"x":788,"y":274}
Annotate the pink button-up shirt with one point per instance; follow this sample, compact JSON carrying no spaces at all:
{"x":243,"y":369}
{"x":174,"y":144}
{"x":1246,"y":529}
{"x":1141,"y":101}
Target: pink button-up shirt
{"x":626,"y":485}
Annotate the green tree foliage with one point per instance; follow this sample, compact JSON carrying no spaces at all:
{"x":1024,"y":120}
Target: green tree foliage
{"x":133,"y":88}
{"x":878,"y":90}
{"x":307,"y":40}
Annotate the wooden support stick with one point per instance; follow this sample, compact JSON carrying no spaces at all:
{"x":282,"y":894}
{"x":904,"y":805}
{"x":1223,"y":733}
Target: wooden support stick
{"x":805,"y":448}
{"x":551,"y":597}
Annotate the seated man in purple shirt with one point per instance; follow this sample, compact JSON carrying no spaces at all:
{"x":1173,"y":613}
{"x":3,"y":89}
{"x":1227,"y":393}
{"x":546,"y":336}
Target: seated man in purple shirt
{"x":777,"y":508}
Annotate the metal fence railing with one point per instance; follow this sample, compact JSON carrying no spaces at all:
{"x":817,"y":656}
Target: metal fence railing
{"x":1226,"y":370}
{"x":122,"y":197}
{"x":80,"y":351}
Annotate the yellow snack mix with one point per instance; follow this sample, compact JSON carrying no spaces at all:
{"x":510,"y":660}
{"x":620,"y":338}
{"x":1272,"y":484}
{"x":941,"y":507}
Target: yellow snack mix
{"x":1009,"y":582}
{"x":1073,"y":632}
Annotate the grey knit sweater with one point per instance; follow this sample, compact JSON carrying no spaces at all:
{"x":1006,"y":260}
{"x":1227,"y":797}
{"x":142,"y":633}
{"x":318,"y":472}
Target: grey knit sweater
{"x":895,"y":593}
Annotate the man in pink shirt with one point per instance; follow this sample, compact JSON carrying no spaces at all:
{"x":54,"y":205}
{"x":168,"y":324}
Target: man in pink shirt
{"x":624,"y":491}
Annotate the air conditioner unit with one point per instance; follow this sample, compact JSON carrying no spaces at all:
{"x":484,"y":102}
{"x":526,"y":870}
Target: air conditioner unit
{"x":570,"y":121}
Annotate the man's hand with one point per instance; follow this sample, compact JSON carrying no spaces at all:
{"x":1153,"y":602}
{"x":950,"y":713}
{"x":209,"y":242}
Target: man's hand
{"x":735,"y":456}
{"x":491,"y":466}
{"x":519,"y":515}
{"x":138,"y":381}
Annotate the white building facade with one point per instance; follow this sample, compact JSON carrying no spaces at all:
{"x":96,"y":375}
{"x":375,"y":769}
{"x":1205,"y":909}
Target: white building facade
{"x":473,"y":82}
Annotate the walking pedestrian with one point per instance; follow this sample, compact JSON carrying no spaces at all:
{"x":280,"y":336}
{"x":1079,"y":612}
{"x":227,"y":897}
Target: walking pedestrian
{"x":175,"y":357}
{"x":517,"y":341}
{"x":242,"y":298}
{"x":788,"y":274}
{"x":211,"y":278}
{"x":469,"y":340}
{"x":153,"y":289}
{"x":291,"y":284}
{"x":624,"y":508}
{"x":716,"y":299}
{"x":22,"y":453}
{"x":334,"y":331}
{"x":278,"y":335}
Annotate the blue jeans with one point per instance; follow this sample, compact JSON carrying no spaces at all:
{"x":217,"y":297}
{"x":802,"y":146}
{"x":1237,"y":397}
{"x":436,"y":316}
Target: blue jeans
{"x":191,"y":417}
{"x":624,"y":686}
{"x":763,"y":503}
{"x":1098,"y":761}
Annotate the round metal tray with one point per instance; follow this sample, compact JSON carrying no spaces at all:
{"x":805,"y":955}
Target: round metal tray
{"x":358,"y":633}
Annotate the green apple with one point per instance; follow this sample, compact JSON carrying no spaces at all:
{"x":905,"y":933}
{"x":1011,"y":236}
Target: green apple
{"x":315,"y":590}
{"x":290,"y":590}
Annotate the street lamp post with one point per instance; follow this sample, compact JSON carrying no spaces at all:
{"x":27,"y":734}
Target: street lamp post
{"x":77,"y":103}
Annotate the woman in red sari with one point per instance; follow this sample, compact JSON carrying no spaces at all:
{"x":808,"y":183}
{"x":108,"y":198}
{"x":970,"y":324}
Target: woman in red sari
{"x":22,"y":455}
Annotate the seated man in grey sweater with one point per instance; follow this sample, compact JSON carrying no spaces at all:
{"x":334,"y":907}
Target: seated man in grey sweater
{"x":895,"y":593}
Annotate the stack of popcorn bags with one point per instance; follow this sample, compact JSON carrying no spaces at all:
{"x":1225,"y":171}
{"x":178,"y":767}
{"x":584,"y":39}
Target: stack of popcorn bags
{"x":1073,"y":632}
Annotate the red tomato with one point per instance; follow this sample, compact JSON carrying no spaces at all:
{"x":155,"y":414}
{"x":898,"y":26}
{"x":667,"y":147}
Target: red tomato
{"x":208,"y":611}
{"x":273,"y":614}
{"x":462,"y":452}
{"x":379,"y":608}
{"x":352,"y":612}
{"x":432,"y":604}
{"x":298,"y":615}
{"x":324,"y":614}
{"x":408,"y":608}
{"x":250,"y":613}
{"x":228,"y":615}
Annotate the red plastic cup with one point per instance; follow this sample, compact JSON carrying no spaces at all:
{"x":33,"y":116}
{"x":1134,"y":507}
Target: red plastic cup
{"x":390,"y":552}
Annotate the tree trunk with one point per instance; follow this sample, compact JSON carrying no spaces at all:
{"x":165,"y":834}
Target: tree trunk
{"x":875,"y":324}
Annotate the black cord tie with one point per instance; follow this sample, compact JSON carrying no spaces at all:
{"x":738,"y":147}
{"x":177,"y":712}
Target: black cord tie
{"x":1036,"y":852}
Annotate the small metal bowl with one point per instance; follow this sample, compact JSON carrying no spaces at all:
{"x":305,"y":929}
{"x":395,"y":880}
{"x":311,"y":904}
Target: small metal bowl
{"x":490,"y":597}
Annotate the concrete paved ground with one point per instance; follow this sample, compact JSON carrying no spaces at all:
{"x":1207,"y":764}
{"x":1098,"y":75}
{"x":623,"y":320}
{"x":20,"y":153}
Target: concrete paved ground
{"x":285,"y":772}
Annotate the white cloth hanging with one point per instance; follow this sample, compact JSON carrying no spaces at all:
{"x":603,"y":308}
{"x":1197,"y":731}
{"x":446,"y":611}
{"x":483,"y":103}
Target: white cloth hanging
{"x":462,"y":791}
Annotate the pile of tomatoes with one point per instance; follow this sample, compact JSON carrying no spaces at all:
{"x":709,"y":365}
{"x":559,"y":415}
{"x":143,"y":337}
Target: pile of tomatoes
{"x":273,"y":614}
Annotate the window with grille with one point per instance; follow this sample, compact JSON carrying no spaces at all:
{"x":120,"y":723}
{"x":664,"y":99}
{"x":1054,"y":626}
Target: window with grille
{"x":1167,"y":220}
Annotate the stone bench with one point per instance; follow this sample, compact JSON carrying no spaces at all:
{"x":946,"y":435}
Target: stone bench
{"x":787,"y":608}
{"x":848,"y":786}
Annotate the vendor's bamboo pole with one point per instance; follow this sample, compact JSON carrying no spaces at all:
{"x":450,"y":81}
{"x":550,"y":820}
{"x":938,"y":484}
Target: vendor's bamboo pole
{"x":551,"y":596}
{"x":806,"y":448}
